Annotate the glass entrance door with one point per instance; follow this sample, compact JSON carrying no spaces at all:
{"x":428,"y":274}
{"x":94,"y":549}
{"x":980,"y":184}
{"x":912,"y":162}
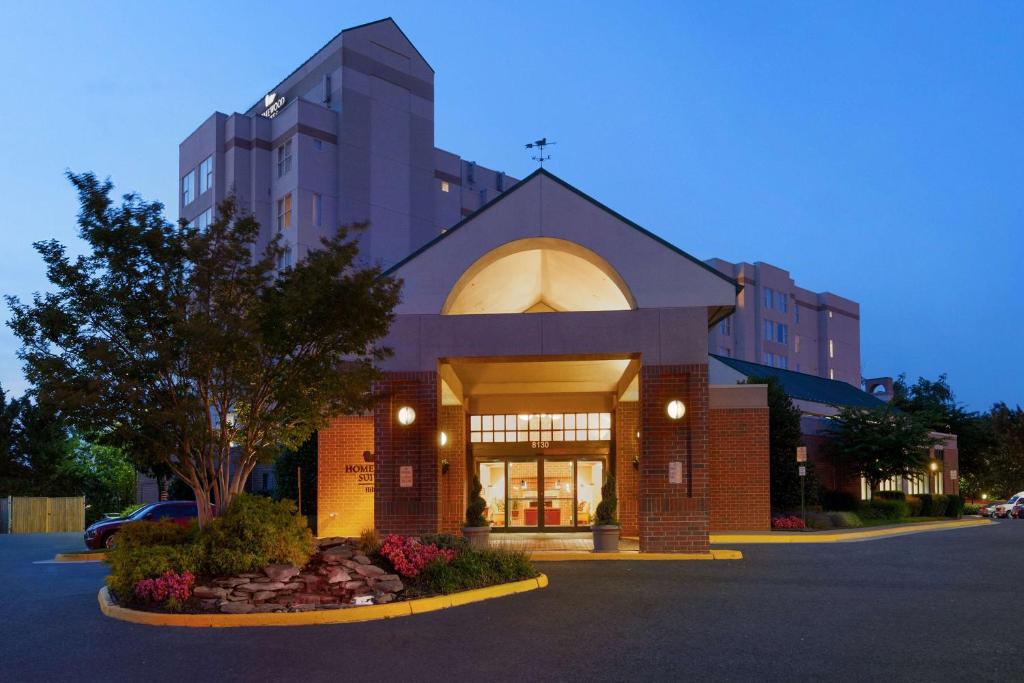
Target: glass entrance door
{"x":524,"y":495}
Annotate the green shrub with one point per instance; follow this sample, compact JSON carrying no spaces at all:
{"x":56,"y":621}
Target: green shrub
{"x":605,"y":515}
{"x":818,"y":520}
{"x":934,"y":505}
{"x":444,"y":541}
{"x":915,"y":505}
{"x":883,"y":508}
{"x":143,"y":534}
{"x":889,"y":495}
{"x":473,"y":569}
{"x":971,"y":509}
{"x":369,"y":542}
{"x":838,"y":500}
{"x":129,"y":564}
{"x":955,"y":506}
{"x":130,"y":509}
{"x":845,"y":520}
{"x":477,"y":505}
{"x":253,"y":532}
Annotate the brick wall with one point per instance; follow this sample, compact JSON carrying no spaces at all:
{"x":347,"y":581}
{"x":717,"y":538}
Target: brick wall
{"x":673,"y":517}
{"x":739,"y":470}
{"x":344,"y":478}
{"x":452,"y":487}
{"x":412,"y":509}
{"x":627,"y":447}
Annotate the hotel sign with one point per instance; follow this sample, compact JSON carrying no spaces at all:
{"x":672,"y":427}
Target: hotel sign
{"x":273,"y":105}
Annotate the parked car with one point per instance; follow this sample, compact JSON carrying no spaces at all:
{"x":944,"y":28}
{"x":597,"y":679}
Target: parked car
{"x":1003,"y":510}
{"x":1017,"y":510}
{"x":988,"y":510}
{"x":102,"y":534}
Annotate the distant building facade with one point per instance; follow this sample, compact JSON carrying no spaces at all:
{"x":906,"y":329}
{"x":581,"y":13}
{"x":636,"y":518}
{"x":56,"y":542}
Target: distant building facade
{"x":781,"y":325}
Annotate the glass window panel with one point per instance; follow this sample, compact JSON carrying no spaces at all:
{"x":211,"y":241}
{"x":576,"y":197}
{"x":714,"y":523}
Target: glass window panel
{"x":581,"y":434}
{"x":474,"y":423}
{"x":510,"y":437}
{"x":558,"y":435}
{"x":488,"y":423}
{"x":488,"y":437}
{"x":499,"y":437}
{"x":545,"y":435}
{"x":534,"y":435}
{"x":606,"y":434}
{"x":581,"y":420}
{"x":570,"y":435}
{"x":510,"y":422}
{"x":522,"y":436}
{"x":499,"y":422}
{"x":556,"y":421}
{"x":592,"y":434}
{"x":535,"y":422}
{"x":606,"y":420}
{"x":474,"y":437}
{"x":593,"y":420}
{"x":545,"y":422}
{"x":570,"y":421}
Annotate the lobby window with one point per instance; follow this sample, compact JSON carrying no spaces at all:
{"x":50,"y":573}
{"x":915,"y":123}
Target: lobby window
{"x":204,"y":219}
{"x":284,"y":158}
{"x":831,"y":349}
{"x":766,"y":358}
{"x":188,"y":188}
{"x":796,"y":341}
{"x":831,"y":373}
{"x":499,"y":182}
{"x":782,"y":362}
{"x":318,"y":144}
{"x":725,"y":327}
{"x":206,"y":174}
{"x":769,"y":330}
{"x":483,"y":197}
{"x":830,"y":314}
{"x":445,"y":187}
{"x":782,"y":333}
{"x":327,"y":89}
{"x":540,"y":427}
{"x":796,"y":311}
{"x":780,"y":299}
{"x":318,"y":210}
{"x":284,"y":212}
{"x":284,"y":258}
{"x":769,"y":294}
{"x":471,"y":172}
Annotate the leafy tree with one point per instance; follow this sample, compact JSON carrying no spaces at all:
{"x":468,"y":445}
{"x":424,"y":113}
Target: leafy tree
{"x":104,"y":475}
{"x":175,"y":343}
{"x":934,"y":403}
{"x":784,"y":436}
{"x":881,"y":443}
{"x":286,"y":484}
{"x":12,"y":465}
{"x":1003,"y":473}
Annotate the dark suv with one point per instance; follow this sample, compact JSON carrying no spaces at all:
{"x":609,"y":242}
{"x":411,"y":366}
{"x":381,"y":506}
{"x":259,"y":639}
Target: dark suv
{"x":102,"y":533}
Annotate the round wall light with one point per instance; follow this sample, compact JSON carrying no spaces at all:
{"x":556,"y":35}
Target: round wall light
{"x":406,"y":416}
{"x":675,"y":410}
{"x":934,"y":465}
{"x":442,"y":439}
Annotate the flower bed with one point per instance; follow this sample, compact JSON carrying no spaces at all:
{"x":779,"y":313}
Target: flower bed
{"x":789,"y":522}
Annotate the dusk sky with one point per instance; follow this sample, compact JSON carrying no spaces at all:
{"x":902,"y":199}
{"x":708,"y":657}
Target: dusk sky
{"x":874,"y":150}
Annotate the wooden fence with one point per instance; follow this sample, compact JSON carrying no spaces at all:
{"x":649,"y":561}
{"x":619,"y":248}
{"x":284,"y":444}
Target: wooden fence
{"x":43,"y":515}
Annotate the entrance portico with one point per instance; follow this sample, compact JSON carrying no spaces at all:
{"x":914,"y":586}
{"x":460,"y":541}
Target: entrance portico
{"x":538,"y":346}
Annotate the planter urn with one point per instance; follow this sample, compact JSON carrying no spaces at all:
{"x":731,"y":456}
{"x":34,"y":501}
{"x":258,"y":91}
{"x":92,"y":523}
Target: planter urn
{"x":478,"y":537}
{"x":606,"y":539}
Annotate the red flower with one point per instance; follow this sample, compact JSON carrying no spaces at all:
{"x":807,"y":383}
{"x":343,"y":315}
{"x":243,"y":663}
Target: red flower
{"x":408,"y":556}
{"x":163,"y":588}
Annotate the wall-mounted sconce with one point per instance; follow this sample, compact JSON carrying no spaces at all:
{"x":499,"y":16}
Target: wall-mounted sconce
{"x":636,"y":462}
{"x":406,"y":416}
{"x":442,"y":439}
{"x":675,"y":409}
{"x":444,"y":465}
{"x":934,"y":466}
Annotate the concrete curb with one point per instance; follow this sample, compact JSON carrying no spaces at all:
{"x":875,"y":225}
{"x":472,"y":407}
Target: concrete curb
{"x":348,"y":615}
{"x":847,"y":536}
{"x":88,"y":556}
{"x":632,"y":555}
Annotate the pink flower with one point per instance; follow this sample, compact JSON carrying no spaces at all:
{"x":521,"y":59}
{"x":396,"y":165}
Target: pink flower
{"x":163,"y":588}
{"x":408,"y":556}
{"x":788,"y":522}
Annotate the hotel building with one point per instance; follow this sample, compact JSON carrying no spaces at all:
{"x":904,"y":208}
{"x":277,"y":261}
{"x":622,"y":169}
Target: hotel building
{"x":543,"y":343}
{"x":784,"y":326}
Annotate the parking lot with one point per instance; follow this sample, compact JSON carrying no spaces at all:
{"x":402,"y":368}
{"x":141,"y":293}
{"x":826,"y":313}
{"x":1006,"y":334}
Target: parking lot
{"x":920,"y":606}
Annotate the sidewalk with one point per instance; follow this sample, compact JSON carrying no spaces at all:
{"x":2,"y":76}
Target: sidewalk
{"x":843,"y":535}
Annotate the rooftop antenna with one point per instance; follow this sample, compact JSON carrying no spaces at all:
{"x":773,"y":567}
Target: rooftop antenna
{"x":539,"y":145}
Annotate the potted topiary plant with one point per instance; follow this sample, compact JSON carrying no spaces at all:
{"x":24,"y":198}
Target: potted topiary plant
{"x":477,"y":531}
{"x":606,"y":527}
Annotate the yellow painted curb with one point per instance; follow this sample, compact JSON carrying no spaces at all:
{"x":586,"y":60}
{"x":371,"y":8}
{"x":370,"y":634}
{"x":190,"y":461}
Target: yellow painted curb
{"x":633,"y":555}
{"x":848,"y":536}
{"x":90,"y":556}
{"x":345,"y":615}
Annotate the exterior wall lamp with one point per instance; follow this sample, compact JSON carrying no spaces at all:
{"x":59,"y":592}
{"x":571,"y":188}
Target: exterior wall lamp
{"x":444,"y":466}
{"x":934,"y":466}
{"x":675,"y":409}
{"x":442,"y":439}
{"x":406,"y":416}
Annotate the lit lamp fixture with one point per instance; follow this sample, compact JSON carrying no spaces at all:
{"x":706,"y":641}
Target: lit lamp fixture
{"x":675,"y":410}
{"x":442,"y":439}
{"x":934,"y":466}
{"x":406,"y":416}
{"x":984,"y":496}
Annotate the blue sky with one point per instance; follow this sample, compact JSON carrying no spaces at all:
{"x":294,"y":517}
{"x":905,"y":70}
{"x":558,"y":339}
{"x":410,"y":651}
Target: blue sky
{"x":872,"y":149}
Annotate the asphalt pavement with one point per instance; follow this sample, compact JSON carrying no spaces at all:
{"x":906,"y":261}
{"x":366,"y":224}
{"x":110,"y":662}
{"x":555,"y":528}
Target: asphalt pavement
{"x":940,"y":606}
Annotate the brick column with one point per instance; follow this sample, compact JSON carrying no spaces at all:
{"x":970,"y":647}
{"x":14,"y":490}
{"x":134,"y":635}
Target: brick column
{"x":412,"y":509}
{"x":739,"y":469}
{"x":673,"y":517}
{"x":452,"y":486}
{"x":345,"y":480}
{"x":627,"y":447}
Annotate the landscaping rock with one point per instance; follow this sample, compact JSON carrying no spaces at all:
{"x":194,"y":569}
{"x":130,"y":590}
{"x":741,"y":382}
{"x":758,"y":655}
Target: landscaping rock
{"x":362,"y":559}
{"x":260,"y":596}
{"x":268,"y":607}
{"x":386,"y":597}
{"x":250,"y":575}
{"x":210,"y":604}
{"x":369,"y":570}
{"x":303,"y":607}
{"x":236,"y":607}
{"x":256,"y":587}
{"x":337,"y":575}
{"x":388,"y":583}
{"x":294,"y":586}
{"x":208,"y":592}
{"x":340,"y":552}
{"x":352,"y":585}
{"x":235,"y":597}
{"x":281,"y":572}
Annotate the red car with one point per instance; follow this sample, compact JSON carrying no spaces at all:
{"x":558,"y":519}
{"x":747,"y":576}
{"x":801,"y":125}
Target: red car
{"x":101,"y":534}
